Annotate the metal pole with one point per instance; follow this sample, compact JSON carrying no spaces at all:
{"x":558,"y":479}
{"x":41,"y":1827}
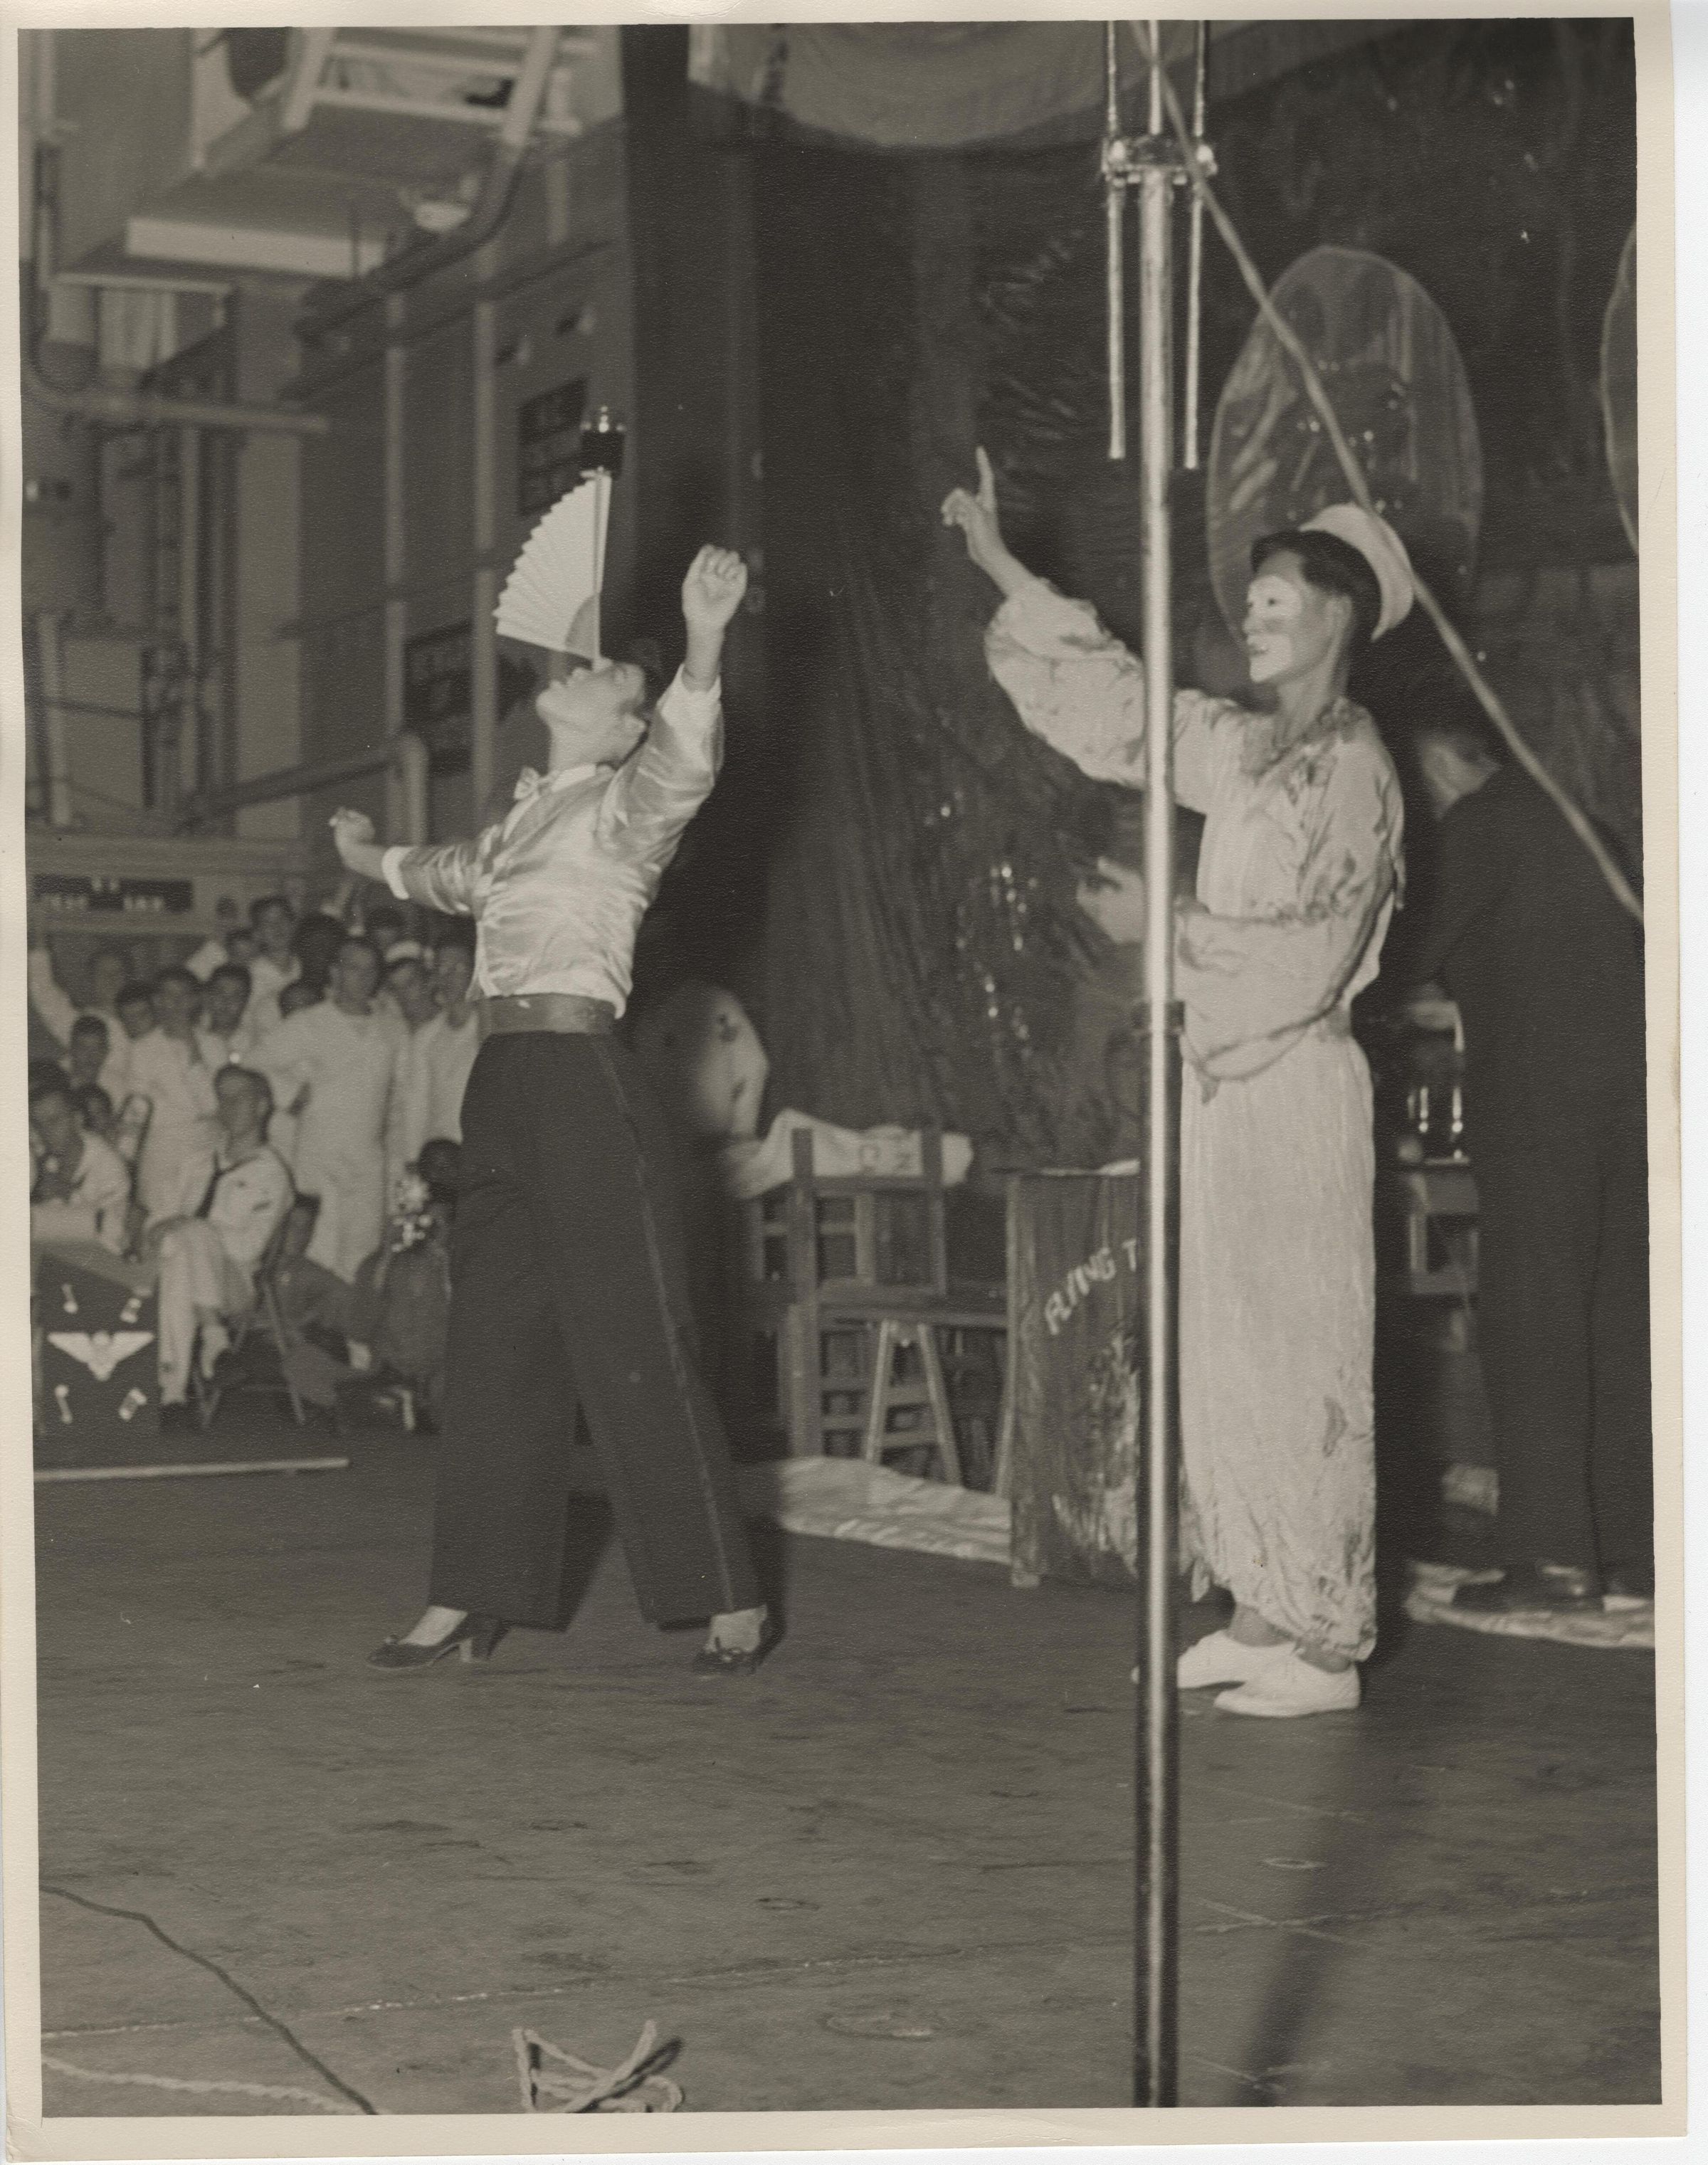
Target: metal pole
{"x":1194,"y":259}
{"x":393,"y":546}
{"x":50,"y":653}
{"x":1114,"y":211}
{"x":192,"y":754}
{"x":402,"y":747}
{"x":1156,"y":2031}
{"x":483,"y":719}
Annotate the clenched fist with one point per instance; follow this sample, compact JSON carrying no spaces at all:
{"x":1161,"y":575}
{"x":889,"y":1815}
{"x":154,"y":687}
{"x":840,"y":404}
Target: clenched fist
{"x":712,"y":591}
{"x":351,"y":832}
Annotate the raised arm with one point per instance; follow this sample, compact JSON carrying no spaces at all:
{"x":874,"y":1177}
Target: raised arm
{"x":442,"y":875}
{"x":658,"y":791}
{"x":49,"y":997}
{"x":1071,"y":682}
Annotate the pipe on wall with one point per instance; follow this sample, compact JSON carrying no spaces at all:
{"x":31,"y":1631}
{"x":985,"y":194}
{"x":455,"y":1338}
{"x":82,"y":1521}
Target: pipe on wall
{"x":405,"y":753}
{"x":147,"y":409}
{"x":392,"y":538}
{"x":99,"y":403}
{"x":50,"y":636}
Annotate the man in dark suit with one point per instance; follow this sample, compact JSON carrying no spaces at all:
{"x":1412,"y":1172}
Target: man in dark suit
{"x":1546,"y":969}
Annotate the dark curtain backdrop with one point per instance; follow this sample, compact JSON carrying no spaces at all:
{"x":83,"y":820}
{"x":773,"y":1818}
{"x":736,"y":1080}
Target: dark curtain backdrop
{"x":920,"y":954}
{"x":924,"y":959}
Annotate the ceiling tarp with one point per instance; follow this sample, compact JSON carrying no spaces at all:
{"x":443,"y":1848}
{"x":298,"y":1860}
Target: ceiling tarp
{"x":954,"y":86}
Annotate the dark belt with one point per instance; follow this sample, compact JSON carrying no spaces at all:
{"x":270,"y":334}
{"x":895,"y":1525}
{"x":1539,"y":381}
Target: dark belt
{"x":569,"y":1013}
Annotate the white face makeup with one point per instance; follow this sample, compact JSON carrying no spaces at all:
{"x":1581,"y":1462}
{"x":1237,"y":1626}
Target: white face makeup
{"x":600,"y":704}
{"x":1274,"y":609}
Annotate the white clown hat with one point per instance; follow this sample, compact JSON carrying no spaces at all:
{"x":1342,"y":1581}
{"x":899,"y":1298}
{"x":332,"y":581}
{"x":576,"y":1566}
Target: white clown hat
{"x":1381,"y":548}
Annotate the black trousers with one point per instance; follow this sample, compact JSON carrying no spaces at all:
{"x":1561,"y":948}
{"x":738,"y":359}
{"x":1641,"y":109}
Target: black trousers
{"x":1563,"y":1327}
{"x":569,"y":1291}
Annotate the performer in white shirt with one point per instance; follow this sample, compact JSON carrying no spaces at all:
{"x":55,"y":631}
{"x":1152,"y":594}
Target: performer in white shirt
{"x":334,"y":1066}
{"x":83,"y":1186}
{"x":568,"y":1277}
{"x":173,"y":1068}
{"x":213,"y":1236}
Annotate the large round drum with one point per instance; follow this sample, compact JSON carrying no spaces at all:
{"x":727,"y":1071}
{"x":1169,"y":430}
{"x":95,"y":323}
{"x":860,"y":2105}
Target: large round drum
{"x":1393,"y":375}
{"x":1619,"y":385}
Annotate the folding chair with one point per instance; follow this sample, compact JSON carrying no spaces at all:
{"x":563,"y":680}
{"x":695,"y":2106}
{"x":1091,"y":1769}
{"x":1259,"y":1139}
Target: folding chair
{"x":267,"y":1315}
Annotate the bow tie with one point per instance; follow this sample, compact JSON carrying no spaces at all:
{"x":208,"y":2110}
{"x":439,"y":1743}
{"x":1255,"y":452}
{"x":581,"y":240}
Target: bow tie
{"x":530,"y":782}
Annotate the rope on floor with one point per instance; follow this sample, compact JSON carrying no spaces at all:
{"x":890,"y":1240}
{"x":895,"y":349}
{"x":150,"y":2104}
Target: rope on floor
{"x":280,"y":2029}
{"x":638,"y":2085}
{"x":283,"y":2096}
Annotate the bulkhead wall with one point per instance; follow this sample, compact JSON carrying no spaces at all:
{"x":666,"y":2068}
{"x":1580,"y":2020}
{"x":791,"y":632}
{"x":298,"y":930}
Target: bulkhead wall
{"x":456,"y":406}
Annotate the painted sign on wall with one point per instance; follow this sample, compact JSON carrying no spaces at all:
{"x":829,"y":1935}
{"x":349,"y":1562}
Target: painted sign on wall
{"x":439,"y":692}
{"x":74,"y":894}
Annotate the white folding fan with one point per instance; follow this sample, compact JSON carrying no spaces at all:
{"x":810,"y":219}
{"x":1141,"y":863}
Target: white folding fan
{"x":551,"y":597}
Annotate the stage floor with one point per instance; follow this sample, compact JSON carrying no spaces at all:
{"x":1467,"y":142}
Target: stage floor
{"x":891,"y":1870}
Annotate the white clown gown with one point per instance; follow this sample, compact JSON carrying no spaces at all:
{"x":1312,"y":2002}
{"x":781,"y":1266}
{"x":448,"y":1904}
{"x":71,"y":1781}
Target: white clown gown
{"x":1297,"y":876}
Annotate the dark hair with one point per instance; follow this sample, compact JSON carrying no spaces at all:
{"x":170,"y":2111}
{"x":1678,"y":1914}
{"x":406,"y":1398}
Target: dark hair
{"x":55,"y":1085}
{"x":132,"y":994}
{"x":457,"y":932}
{"x":257,"y":1084}
{"x":384,"y":913}
{"x":300,"y":994}
{"x":85,"y":1026}
{"x":648,"y":657}
{"x":263,"y":903}
{"x":361,"y":939}
{"x":234,"y":973}
{"x":315,"y":940}
{"x":87,"y":1102}
{"x":175,"y":973}
{"x":1332,"y":566}
{"x":1464,"y":730}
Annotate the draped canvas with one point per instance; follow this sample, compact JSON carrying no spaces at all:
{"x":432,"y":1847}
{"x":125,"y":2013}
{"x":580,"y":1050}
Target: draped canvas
{"x":924,"y":959}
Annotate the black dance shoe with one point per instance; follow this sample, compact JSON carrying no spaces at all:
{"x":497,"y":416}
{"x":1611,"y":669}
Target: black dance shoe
{"x":473,"y":1639}
{"x":735,"y":1661}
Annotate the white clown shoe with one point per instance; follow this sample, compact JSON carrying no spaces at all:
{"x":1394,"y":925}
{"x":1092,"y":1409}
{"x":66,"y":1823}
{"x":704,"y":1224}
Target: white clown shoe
{"x":1222,"y":1659}
{"x":1293,"y":1686}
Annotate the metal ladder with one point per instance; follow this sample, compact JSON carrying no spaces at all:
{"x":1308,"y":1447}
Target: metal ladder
{"x":330,"y":65}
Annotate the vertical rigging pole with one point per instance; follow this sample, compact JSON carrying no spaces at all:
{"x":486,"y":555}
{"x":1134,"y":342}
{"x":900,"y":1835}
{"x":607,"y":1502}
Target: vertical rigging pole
{"x":1190,"y":428}
{"x":1151,"y":165}
{"x":1115,"y":207}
